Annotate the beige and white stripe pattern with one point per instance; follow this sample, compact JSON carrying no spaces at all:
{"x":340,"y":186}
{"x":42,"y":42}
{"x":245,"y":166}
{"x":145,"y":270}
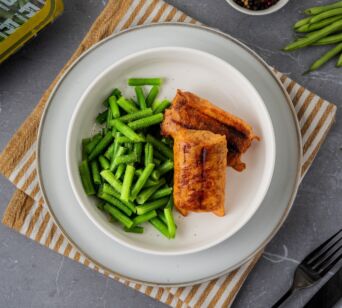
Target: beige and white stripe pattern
{"x":28,"y":214}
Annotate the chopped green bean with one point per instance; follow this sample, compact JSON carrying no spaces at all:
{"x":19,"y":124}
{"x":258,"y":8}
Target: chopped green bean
{"x":160,"y":146}
{"x":148,"y":158}
{"x":165,"y":167}
{"x":93,"y":142}
{"x":156,"y":161}
{"x":159,"y":156}
{"x":138,"y":151}
{"x":326,"y":57}
{"x":110,"y":178}
{"x":95,"y":172}
{"x":161,"y":106}
{"x":114,"y":163}
{"x":127,"y":131}
{"x":320,"y":9}
{"x":122,"y":218}
{"x":109,"y":152}
{"x":101,"y":117}
{"x":134,"y":229}
{"x":86,"y":179}
{"x":116,"y":144}
{"x":120,"y":171}
{"x":117,"y":93}
{"x":84,"y":148}
{"x":104,"y":163}
{"x":152,"y":95}
{"x":106,"y":188}
{"x":136,"y":115}
{"x":127,"y":105}
{"x":114,"y":107}
{"x":138,"y":220}
{"x":144,"y":81}
{"x":141,"y":98}
{"x":148,"y":192}
{"x":154,"y":205}
{"x":115,"y":202}
{"x":170,"y":222}
{"x":139,"y":184}
{"x":161,"y":193}
{"x":100,"y":147}
{"x":160,"y":226}
{"x":162,"y":217}
{"x":127,"y":183}
{"x":125,"y":159}
{"x":146,"y":122}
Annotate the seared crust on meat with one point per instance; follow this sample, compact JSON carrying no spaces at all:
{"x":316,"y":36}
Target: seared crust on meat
{"x":192,"y":112}
{"x":199,"y":171}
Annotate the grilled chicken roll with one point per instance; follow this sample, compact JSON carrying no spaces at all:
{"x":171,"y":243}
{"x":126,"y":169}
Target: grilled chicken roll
{"x":199,"y":171}
{"x":192,"y":112}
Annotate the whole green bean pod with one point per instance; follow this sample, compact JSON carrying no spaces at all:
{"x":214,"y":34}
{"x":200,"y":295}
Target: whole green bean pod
{"x":318,"y":25}
{"x":325,"y":58}
{"x":328,"y":40}
{"x":320,"y":9}
{"x":325,"y":15}
{"x":302,"y":22}
{"x":314,"y":38}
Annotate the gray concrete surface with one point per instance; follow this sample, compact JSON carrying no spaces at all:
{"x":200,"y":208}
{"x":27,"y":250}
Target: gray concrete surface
{"x":32,"y":276}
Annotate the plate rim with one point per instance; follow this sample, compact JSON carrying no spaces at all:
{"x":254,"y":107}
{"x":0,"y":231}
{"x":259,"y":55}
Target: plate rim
{"x":256,"y":57}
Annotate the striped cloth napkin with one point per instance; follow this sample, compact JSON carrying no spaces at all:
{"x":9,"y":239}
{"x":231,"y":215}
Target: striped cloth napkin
{"x":28,"y":214}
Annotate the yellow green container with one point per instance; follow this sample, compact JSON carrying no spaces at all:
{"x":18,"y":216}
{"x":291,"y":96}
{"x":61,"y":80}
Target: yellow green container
{"x":21,"y":20}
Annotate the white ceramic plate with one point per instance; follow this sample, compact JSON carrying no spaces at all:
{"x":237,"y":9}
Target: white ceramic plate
{"x":209,"y":77}
{"x":172,"y":270}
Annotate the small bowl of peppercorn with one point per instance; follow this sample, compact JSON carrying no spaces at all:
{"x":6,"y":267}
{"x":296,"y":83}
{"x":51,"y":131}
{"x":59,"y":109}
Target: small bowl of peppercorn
{"x":257,"y":7}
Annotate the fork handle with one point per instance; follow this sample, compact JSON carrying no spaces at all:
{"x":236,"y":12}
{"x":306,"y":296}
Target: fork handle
{"x":283,"y":298}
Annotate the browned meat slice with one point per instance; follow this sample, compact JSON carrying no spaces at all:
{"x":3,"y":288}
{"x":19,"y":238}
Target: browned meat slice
{"x":200,"y":171}
{"x":192,"y":112}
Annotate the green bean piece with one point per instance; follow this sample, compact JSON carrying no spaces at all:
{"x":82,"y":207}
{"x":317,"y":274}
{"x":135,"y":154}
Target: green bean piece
{"x":124,"y":139}
{"x":159,"y":156}
{"x":106,"y":188}
{"x":114,"y":107}
{"x":127,"y":183}
{"x":325,"y":15}
{"x":156,"y":161}
{"x":146,"y":122}
{"x":100,"y":147}
{"x":301,"y":22}
{"x":104,"y":162}
{"x":169,"y":205}
{"x":144,"y":82}
{"x":122,"y":218}
{"x":325,"y":58}
{"x":318,"y":25}
{"x":125,"y":159}
{"x":162,"y":217}
{"x":314,"y":38}
{"x":170,"y":222}
{"x":320,"y":9}
{"x":109,"y":152}
{"x":101,"y":117}
{"x":127,"y":131}
{"x":127,"y":105}
{"x":95,"y":171}
{"x":129,"y":146}
{"x":160,"y":146}
{"x":148,"y":192}
{"x":339,"y":61}
{"x":120,"y":171}
{"x":165,"y":167}
{"x":138,"y":220}
{"x":139,"y":184}
{"x":116,"y":144}
{"x":149,"y":182}
{"x":152,"y":95}
{"x":155,"y":175}
{"x":109,"y":118}
{"x":137,"y":149}
{"x":110,"y":178}
{"x":115,"y":202}
{"x":154,"y":205}
{"x":84,"y":148}
{"x":160,"y":226}
{"x":136,"y":115}
{"x":140,"y":96}
{"x":86,"y":179}
{"x":114,"y":164}
{"x":134,"y":229}
{"x":329,"y":40}
{"x":161,"y":193}
{"x":92,"y":144}
{"x":148,"y":151}
{"x":160,"y":108}
{"x":117,"y":93}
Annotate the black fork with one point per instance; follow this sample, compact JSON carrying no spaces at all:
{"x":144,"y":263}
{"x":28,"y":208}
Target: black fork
{"x":315,"y":265}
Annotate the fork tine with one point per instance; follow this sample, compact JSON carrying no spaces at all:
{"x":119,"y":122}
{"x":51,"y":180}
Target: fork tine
{"x":315,"y":261}
{"x":330,"y":266}
{"x":326,"y":260}
{"x":319,"y":248}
